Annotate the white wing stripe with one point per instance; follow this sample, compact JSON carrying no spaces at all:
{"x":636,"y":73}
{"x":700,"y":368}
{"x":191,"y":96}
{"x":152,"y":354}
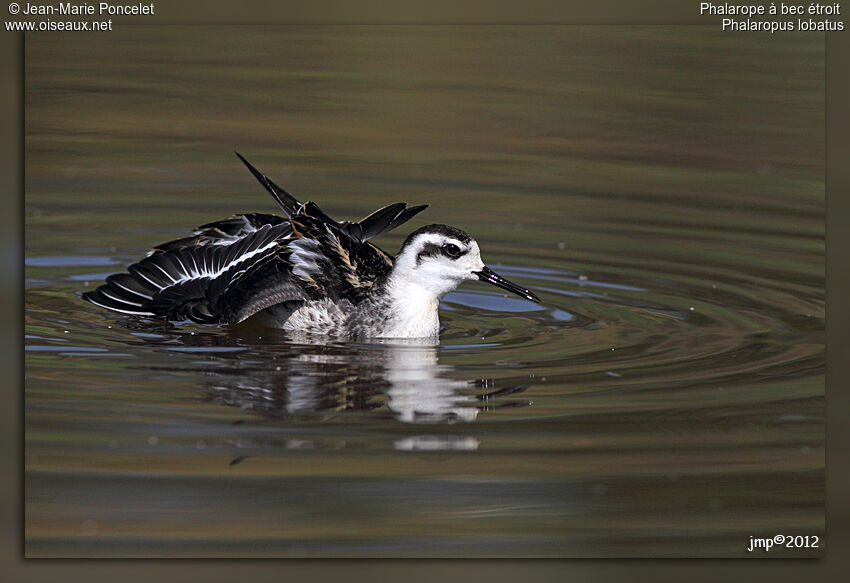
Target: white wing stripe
{"x":171,"y":279}
{"x":132,"y":291}
{"x":123,"y":301}
{"x":180,"y":263}
{"x":207,"y":271}
{"x":147,"y":279}
{"x":134,"y":312}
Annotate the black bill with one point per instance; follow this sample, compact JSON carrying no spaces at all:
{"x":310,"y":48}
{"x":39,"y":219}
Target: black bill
{"x":491,"y":276}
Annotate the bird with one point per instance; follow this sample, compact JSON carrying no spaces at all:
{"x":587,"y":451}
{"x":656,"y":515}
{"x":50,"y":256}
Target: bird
{"x":305,"y":272}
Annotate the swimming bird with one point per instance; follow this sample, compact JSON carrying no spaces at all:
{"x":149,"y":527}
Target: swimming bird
{"x":306,"y":272}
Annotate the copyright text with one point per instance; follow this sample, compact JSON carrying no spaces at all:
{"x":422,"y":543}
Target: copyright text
{"x":71,"y":9}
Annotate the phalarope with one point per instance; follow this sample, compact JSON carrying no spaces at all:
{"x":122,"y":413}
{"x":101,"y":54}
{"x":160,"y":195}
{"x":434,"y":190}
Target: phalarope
{"x":305,"y":273}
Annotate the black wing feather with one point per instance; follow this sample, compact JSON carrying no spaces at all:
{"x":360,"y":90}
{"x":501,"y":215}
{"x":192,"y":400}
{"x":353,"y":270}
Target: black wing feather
{"x":338,"y":267}
{"x":377,"y":223}
{"x":230,"y":269}
{"x":196,"y":282}
{"x":387,"y":219}
{"x":404,"y":216}
{"x":285,"y":201}
{"x":222,"y":232}
{"x":374,"y":224}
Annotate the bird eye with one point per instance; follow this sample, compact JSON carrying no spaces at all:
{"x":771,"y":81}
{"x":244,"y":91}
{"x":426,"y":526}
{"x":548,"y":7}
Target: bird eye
{"x":451,"y":250}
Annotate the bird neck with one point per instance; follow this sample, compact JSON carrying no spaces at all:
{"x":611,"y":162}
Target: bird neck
{"x":412,"y":309}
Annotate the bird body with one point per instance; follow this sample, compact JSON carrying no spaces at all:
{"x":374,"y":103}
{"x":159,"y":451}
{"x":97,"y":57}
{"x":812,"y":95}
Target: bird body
{"x":305,"y":273}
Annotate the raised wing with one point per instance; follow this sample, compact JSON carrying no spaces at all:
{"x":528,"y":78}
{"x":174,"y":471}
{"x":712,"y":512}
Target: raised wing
{"x":379,"y":222}
{"x":382,"y":221}
{"x":223,"y":232}
{"x":288,"y":203}
{"x":210,"y":284}
{"x":229,"y":270}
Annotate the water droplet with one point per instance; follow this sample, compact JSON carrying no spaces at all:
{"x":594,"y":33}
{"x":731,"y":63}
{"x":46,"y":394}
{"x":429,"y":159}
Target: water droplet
{"x":562,"y":245}
{"x":153,"y":440}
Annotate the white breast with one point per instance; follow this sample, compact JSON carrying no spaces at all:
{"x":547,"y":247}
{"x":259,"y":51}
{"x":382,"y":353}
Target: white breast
{"x":414,"y":313}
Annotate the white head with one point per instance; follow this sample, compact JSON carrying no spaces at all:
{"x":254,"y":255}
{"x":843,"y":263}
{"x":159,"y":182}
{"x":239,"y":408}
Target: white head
{"x":438,"y":258}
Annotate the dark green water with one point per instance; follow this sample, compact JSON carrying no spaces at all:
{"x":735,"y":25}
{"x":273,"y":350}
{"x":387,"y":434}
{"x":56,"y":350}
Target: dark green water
{"x":660,"y":188}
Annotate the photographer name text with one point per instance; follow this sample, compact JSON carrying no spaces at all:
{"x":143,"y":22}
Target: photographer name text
{"x":71,"y":9}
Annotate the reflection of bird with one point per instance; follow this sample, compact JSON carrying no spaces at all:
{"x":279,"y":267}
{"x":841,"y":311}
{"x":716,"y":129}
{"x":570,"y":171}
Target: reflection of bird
{"x":316,"y":379}
{"x":308,"y":273}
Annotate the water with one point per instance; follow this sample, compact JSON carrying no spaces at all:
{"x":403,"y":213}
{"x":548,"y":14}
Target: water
{"x":661,"y":189}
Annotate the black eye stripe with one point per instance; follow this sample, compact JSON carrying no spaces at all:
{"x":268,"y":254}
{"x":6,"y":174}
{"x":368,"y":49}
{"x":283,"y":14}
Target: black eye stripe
{"x":450,"y":250}
{"x":428,"y":250}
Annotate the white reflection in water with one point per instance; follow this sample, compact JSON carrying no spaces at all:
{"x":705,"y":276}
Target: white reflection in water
{"x":404,"y":377}
{"x":418,"y":394}
{"x":436,"y":443}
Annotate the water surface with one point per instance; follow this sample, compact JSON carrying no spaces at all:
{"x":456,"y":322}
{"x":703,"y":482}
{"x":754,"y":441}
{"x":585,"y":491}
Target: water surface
{"x":661,"y":190}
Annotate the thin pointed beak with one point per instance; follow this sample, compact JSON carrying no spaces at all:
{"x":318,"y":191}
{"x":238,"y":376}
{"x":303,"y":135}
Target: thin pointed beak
{"x":491,"y":276}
